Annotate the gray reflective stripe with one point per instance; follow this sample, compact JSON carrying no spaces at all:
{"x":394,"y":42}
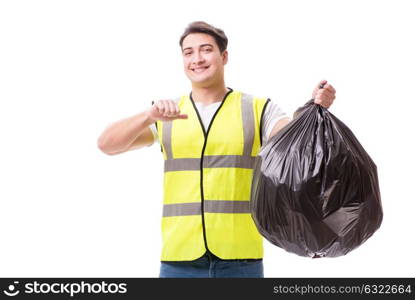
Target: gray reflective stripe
{"x":248,"y":122}
{"x":167,"y":128}
{"x":209,"y":161}
{"x":228,"y":161}
{"x":182,"y":209}
{"x":182,"y":164}
{"x":223,"y":206}
{"x":211,"y":206}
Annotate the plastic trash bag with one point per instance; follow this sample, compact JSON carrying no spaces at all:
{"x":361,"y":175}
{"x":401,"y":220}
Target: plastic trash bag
{"x":315,"y":190}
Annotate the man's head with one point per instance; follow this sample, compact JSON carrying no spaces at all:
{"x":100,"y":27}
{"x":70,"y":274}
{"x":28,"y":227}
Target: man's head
{"x":204,"y":54}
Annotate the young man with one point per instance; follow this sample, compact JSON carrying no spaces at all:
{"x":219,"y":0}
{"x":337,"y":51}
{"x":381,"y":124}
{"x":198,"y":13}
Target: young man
{"x":209,"y":141}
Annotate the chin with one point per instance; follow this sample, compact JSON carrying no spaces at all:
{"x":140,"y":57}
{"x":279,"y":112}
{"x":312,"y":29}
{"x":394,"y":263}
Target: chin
{"x":199,"y":80}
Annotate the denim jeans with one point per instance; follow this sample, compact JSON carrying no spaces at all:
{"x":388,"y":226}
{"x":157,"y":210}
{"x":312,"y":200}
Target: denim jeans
{"x":210,"y":266}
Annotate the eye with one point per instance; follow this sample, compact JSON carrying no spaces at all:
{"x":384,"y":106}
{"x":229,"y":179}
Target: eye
{"x":207,"y":49}
{"x":187,"y":53}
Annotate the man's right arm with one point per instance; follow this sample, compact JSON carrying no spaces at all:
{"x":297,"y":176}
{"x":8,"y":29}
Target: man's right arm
{"x":134,"y":132}
{"x":125,"y":134}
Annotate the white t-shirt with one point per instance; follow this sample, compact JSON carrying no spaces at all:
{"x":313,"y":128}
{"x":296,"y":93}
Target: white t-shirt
{"x":272,"y":114}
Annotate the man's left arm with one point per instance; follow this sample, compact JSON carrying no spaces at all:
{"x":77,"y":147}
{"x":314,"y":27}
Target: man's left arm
{"x":323,"y":94}
{"x":278,"y":126}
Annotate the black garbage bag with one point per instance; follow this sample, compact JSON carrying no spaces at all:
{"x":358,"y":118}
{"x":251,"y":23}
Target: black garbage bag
{"x":315,"y":190}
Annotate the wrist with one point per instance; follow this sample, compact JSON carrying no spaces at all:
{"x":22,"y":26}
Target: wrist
{"x":148,"y":119}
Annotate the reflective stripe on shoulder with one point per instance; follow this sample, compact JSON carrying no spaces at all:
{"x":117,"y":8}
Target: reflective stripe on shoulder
{"x":248,"y":122}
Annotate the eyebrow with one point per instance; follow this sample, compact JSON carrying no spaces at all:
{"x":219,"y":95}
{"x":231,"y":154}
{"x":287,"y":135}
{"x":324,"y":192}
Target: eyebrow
{"x":200,"y":46}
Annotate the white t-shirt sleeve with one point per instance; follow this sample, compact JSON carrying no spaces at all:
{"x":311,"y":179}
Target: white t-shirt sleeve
{"x":272,"y":114}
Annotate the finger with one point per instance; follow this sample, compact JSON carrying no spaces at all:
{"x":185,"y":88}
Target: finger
{"x":322,"y":103}
{"x":160,"y":106}
{"x":326,"y":100}
{"x":325,"y":93}
{"x":171,"y":118}
{"x":316,"y":89}
{"x":166,"y":112}
{"x":321,"y":98}
{"x":318,"y":97}
{"x":321,"y":84}
{"x":330,"y":88}
{"x":177,"y":108}
{"x":166,"y":108}
{"x":170,"y":108}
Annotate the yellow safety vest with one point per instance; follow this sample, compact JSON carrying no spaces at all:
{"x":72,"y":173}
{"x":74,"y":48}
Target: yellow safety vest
{"x":207,"y":180}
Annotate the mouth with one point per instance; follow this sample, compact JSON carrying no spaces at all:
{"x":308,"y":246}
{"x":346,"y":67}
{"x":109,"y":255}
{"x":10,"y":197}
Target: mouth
{"x":199,"y":70}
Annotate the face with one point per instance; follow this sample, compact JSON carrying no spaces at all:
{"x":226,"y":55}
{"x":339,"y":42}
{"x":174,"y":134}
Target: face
{"x":203,"y":63}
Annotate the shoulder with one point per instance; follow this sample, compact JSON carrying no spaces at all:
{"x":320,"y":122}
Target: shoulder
{"x":273,"y":113}
{"x":259,"y":103}
{"x":273,"y":106}
{"x":248,"y":97}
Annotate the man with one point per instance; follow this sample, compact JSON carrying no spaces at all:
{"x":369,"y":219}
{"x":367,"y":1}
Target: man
{"x":209,"y":140}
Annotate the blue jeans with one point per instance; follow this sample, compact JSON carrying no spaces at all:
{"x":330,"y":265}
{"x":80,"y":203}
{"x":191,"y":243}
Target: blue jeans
{"x":210,"y":266}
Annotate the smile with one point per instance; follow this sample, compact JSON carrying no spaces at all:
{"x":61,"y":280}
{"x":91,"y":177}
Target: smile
{"x":199,"y":69}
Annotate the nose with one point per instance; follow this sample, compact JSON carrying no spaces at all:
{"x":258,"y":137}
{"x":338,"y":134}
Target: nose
{"x":198,"y":58}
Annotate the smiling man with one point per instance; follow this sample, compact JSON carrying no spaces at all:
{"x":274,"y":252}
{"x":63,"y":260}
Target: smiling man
{"x":209,"y":140}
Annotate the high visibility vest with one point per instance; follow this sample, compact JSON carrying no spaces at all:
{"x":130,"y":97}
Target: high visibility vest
{"x":207,"y":180}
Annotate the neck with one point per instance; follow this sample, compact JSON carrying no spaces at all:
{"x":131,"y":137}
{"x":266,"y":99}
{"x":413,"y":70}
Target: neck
{"x":209,"y":95}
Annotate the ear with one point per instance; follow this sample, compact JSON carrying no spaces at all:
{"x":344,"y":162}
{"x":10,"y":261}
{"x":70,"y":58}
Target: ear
{"x":225,"y":57}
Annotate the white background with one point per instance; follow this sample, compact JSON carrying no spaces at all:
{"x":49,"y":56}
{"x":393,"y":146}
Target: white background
{"x":70,"y":68}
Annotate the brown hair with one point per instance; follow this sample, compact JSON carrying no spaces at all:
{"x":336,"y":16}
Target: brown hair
{"x":203,"y":27}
